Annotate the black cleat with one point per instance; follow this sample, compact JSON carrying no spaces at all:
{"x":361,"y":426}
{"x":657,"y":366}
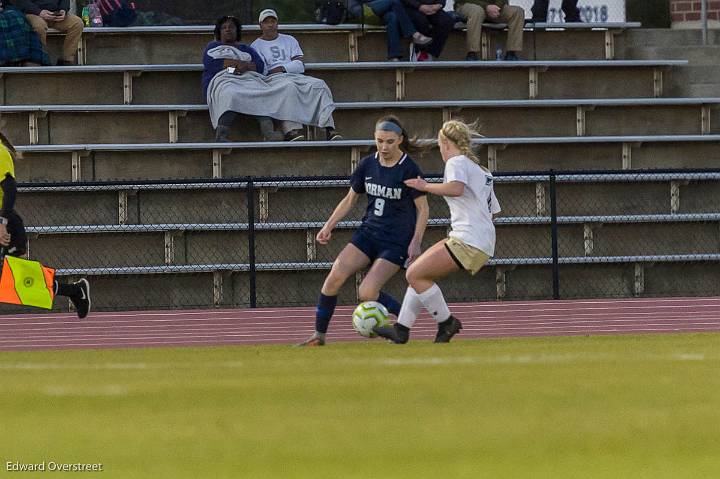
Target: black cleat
{"x":82,"y":301}
{"x":447,"y":329}
{"x":396,"y":333}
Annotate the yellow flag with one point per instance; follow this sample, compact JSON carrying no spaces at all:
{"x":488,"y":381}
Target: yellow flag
{"x":26,"y":282}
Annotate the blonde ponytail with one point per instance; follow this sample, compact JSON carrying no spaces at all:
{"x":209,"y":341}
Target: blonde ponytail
{"x":461,"y":134}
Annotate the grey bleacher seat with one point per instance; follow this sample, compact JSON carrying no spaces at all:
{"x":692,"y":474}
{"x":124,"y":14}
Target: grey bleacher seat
{"x":179,"y":123}
{"x":346,"y":42}
{"x":218,"y":160}
{"x":350,"y":81}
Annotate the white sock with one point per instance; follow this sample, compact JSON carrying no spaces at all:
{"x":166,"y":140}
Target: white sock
{"x":410,"y":309}
{"x":434,"y":302}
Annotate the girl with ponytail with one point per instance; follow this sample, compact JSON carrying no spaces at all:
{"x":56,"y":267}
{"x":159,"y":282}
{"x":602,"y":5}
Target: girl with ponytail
{"x":391,"y":231}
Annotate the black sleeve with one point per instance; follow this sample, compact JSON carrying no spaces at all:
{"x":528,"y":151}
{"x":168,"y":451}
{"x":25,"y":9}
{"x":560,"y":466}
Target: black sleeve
{"x":64,"y":5}
{"x":357,"y":179}
{"x":9,"y":188}
{"x":26,"y":6}
{"x":412,"y":3}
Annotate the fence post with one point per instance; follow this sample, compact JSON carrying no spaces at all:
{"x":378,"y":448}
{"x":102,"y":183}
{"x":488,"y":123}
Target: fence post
{"x":554,"y":237}
{"x":704,"y":18}
{"x":251,"y":241}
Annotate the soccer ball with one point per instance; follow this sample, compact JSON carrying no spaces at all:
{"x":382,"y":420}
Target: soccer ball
{"x":367,"y":315}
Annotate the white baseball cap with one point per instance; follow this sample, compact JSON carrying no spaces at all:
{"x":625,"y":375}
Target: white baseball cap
{"x":268,"y":12}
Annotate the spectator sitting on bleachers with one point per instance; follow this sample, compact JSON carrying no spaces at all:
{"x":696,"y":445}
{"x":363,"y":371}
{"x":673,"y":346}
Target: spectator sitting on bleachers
{"x":241,"y":60}
{"x":397,"y":23}
{"x":44,"y":14}
{"x":19,"y":44}
{"x":430,"y":19}
{"x":283,"y":57}
{"x":569,"y":7}
{"x":475,"y":12}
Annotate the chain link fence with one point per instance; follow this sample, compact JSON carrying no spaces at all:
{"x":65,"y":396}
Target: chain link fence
{"x":251,"y":242}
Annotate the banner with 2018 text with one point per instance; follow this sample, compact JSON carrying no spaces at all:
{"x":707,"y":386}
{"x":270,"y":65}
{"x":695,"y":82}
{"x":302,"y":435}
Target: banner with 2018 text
{"x":591,"y":11}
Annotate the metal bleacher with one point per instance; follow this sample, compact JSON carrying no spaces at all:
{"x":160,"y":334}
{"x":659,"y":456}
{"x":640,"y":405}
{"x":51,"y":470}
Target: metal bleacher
{"x":166,"y":123}
{"x":347,"y":42}
{"x":108,"y":161}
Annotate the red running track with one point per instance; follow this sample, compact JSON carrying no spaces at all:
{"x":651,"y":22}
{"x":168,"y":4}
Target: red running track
{"x":291,"y":325}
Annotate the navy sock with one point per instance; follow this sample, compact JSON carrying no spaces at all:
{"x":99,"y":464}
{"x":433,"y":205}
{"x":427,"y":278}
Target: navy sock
{"x":389,"y":302}
{"x":323,"y":312}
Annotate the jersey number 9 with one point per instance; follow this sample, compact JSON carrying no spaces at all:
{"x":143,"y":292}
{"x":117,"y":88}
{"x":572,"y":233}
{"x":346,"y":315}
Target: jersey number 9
{"x":379,"y":206}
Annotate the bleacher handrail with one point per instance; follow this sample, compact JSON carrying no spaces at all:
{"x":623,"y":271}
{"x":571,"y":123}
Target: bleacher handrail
{"x":354,"y":105}
{"x":303,"y":266}
{"x":339,"y":66}
{"x":361,"y":143}
{"x":343,"y":27}
{"x":433,"y":222}
{"x":336,"y":181}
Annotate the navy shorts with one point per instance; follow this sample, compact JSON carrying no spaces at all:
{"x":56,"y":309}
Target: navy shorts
{"x":375,"y":247}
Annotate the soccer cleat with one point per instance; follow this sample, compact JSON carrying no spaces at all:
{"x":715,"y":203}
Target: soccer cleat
{"x":312,"y":342}
{"x":447,"y":329}
{"x":396,"y":333}
{"x":82,"y":301}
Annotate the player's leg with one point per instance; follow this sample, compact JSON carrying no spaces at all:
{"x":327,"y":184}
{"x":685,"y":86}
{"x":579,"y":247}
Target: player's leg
{"x":371,"y":286}
{"x":422,"y":291}
{"x":350,"y":260}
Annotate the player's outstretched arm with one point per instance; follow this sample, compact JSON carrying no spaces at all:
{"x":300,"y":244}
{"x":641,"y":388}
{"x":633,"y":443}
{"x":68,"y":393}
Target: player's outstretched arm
{"x":341,"y":210}
{"x":452,"y":188}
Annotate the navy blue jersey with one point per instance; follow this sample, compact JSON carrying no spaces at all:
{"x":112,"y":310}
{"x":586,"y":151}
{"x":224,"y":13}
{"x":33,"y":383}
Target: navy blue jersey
{"x":390,"y":213}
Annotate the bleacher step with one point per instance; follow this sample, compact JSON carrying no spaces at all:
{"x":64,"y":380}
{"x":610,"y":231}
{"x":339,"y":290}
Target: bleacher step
{"x":663,"y":37}
{"x":696,"y":55}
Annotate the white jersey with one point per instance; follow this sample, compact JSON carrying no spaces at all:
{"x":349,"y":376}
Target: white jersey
{"x":471,"y":213}
{"x":278,"y":52}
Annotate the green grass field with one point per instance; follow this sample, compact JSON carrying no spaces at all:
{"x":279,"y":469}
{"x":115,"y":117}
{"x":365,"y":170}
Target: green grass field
{"x":583,"y":407}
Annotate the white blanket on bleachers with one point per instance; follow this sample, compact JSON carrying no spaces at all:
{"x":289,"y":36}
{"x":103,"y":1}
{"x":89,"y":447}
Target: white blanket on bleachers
{"x":283,"y":96}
